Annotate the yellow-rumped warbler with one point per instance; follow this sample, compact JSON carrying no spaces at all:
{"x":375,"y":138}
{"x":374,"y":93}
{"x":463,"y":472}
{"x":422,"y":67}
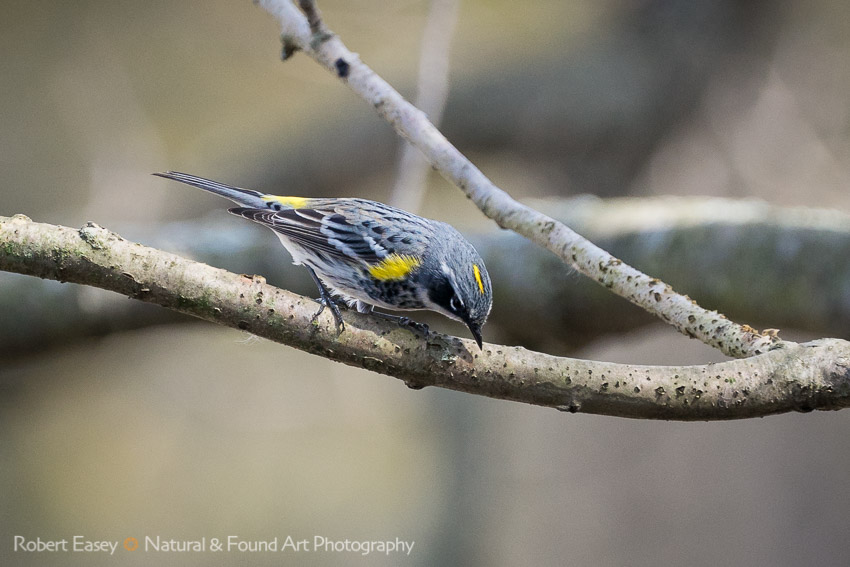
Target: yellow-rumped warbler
{"x":370,"y":254}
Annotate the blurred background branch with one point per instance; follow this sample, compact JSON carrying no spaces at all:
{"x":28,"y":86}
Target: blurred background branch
{"x":432,"y":91}
{"x":770,"y":266}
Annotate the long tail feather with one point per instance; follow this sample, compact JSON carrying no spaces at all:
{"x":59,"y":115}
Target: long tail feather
{"x":243,"y":197}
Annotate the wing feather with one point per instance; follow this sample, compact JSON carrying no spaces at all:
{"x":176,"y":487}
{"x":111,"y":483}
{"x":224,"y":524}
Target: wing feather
{"x":319,"y":230}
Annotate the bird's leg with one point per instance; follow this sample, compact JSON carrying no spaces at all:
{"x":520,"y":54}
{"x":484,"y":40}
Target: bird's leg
{"x":404,"y":322}
{"x":325,"y":300}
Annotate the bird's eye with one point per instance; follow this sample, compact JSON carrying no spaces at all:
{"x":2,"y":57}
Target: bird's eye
{"x":455,"y":303}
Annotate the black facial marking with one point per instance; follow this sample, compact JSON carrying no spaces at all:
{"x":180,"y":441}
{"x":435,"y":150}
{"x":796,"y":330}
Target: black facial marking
{"x":441,"y":292}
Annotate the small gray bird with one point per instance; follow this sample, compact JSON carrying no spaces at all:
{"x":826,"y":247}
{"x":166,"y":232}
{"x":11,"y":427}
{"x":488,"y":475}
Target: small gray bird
{"x":370,"y":254}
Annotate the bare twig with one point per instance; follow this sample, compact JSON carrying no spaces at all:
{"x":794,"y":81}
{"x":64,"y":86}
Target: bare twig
{"x":314,"y":18}
{"x":792,"y":378}
{"x":647,"y":292}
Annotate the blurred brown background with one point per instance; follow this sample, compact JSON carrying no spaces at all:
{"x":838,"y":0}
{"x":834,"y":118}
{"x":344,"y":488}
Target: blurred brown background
{"x":187,"y":430}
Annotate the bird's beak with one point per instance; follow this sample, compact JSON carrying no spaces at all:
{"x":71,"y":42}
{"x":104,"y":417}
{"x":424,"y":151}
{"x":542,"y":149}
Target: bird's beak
{"x":476,"y":332}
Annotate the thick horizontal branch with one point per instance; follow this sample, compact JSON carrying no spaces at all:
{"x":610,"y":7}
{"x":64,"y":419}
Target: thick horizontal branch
{"x":648,"y":292}
{"x":788,"y":378}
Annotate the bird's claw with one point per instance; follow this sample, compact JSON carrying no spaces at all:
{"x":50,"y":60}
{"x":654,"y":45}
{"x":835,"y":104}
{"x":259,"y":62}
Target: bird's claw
{"x":404,"y":322}
{"x":330,"y":304}
{"x":415,"y":325}
{"x":325,"y":300}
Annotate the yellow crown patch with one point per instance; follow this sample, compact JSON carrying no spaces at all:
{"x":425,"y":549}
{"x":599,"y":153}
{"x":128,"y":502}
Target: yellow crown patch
{"x":478,"y":279}
{"x":294,"y":202}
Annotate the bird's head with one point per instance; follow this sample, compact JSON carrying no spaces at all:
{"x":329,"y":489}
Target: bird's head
{"x":457,"y":283}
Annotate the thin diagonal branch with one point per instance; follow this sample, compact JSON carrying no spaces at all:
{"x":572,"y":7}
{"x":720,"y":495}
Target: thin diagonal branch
{"x":789,"y":378}
{"x":651,"y":294}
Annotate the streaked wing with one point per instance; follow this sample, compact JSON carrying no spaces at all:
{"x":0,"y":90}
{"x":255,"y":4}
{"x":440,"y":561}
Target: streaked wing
{"x":321,"y":230}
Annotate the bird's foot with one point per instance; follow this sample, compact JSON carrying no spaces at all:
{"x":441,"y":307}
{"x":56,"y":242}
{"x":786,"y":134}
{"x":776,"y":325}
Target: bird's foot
{"x":327,"y":301}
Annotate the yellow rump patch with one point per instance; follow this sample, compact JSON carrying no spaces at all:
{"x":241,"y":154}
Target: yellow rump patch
{"x":394,"y":267}
{"x":293,"y":202}
{"x":478,"y":279}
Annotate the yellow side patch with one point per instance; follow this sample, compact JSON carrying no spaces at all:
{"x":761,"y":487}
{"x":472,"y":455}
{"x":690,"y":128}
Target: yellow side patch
{"x":394,"y":267}
{"x":478,"y":279}
{"x":293,"y":202}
